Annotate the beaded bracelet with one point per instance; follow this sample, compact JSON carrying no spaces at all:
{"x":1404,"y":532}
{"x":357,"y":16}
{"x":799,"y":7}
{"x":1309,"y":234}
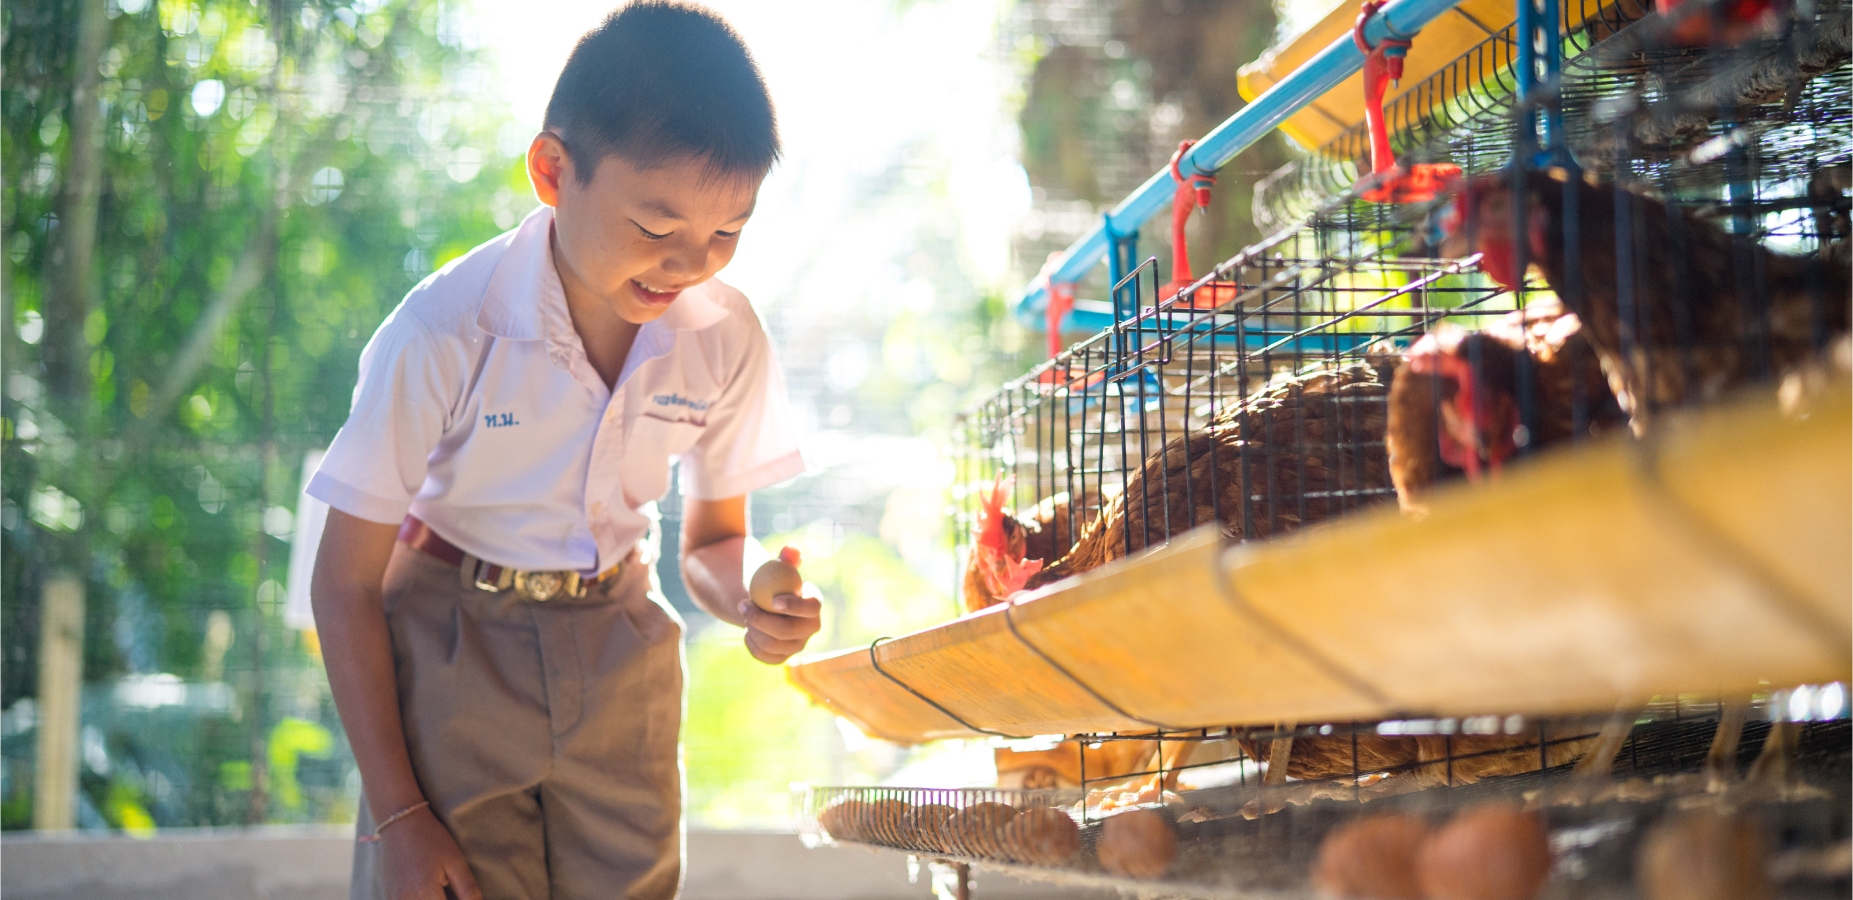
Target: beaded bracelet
{"x":375,"y":836}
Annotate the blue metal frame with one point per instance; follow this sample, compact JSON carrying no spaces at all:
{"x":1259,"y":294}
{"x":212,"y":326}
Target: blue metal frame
{"x":1401,"y":19}
{"x":1540,"y":62}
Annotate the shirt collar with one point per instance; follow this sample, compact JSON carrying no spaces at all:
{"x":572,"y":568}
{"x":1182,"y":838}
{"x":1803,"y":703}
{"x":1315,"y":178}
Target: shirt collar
{"x":525,"y":292}
{"x":524,"y":282}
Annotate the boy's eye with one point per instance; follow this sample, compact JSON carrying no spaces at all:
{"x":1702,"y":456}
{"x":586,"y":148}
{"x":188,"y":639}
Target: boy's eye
{"x":648,"y":234}
{"x":728,"y":234}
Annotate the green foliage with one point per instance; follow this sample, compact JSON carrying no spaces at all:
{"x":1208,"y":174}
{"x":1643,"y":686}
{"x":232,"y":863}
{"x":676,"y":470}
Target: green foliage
{"x":322,"y":155}
{"x":890,"y":598}
{"x":748,"y":736}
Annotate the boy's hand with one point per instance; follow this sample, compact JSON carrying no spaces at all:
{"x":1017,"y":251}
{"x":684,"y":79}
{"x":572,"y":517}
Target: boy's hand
{"x":773,"y":637}
{"x":423,"y":862}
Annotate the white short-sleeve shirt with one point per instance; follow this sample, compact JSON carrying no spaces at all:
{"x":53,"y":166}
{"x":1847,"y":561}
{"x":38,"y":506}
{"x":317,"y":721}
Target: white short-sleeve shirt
{"x":477,"y":411}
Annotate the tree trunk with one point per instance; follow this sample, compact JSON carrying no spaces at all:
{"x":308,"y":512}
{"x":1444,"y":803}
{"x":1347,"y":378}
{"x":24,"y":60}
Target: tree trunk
{"x":70,"y":280}
{"x":60,"y":703}
{"x":66,"y":355}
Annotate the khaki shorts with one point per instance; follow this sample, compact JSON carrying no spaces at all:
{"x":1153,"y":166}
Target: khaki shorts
{"x":545,"y":735}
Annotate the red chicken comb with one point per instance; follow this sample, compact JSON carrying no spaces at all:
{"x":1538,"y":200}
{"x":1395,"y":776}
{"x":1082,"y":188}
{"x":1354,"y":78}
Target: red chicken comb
{"x":991,"y":519}
{"x":790,"y":556}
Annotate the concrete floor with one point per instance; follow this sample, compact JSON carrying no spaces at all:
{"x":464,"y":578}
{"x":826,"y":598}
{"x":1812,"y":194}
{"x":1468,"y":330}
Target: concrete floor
{"x":280,"y":863}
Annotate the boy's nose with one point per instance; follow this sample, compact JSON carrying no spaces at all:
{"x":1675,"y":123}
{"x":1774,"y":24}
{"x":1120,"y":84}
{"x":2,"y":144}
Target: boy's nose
{"x":685,"y":261}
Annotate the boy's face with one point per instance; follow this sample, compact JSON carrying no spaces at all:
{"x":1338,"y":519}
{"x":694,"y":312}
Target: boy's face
{"x":635,"y":238}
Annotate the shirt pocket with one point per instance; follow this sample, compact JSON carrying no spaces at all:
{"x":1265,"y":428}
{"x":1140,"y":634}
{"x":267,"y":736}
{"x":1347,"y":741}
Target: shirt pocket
{"x":652,"y":444}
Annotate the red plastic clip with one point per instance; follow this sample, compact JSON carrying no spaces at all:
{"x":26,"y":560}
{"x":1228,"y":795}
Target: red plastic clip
{"x":1193,"y":192}
{"x":1061,"y":300}
{"x":1388,"y":182}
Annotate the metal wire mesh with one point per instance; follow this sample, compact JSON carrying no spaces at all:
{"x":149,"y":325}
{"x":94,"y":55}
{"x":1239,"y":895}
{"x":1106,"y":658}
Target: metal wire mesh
{"x":1631,"y":105}
{"x":1264,"y":412}
{"x":1236,"y":835}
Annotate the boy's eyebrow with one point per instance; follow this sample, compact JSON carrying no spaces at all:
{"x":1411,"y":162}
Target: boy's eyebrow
{"x":660,"y":208}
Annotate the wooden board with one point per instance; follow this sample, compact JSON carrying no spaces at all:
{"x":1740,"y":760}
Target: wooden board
{"x":1717,"y":557}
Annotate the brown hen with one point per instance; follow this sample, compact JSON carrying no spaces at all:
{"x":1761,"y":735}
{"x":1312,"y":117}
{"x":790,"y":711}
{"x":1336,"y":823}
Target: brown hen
{"x":1306,"y":447}
{"x":1700,"y":311}
{"x":1456,"y":405}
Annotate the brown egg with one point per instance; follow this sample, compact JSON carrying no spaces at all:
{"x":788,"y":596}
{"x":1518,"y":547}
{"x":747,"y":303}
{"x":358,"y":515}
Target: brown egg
{"x":1703,"y":855}
{"x":843,"y":819}
{"x":1371,"y":857}
{"x":1043,"y":837}
{"x":775,"y":577}
{"x":887,"y":821}
{"x":1137,"y":843}
{"x":1486,"y":853}
{"x":978,"y":829}
{"x":927,"y":826}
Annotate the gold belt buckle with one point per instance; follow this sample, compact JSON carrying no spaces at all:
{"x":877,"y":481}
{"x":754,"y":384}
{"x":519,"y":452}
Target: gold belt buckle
{"x":543,"y":586}
{"x":473,"y":569}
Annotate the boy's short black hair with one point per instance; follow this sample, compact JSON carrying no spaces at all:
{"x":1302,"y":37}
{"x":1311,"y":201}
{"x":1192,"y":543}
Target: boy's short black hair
{"x":662,"y":81}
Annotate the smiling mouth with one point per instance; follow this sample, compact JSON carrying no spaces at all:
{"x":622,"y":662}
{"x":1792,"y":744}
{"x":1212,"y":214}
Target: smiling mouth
{"x":653,"y":297}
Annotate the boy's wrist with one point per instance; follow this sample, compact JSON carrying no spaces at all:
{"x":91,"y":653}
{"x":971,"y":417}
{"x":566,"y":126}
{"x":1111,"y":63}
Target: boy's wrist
{"x":391,"y":804}
{"x":714,"y":576}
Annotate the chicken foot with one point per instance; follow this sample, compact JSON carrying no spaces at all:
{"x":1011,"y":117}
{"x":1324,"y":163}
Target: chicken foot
{"x":1770,"y":774}
{"x":1280,"y":754}
{"x":1721,"y":759}
{"x":1592,"y":779}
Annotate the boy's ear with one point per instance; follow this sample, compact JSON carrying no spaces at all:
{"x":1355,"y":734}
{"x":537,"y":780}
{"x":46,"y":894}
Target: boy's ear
{"x":548,"y":167}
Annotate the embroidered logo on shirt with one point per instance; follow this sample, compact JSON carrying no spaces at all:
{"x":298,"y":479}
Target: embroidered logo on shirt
{"x":679,"y":400}
{"x":697,"y":409}
{"x":499,"y":420}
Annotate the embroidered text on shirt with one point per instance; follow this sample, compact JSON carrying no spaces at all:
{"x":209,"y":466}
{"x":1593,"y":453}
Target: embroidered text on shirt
{"x":679,"y":400}
{"x":499,"y":420}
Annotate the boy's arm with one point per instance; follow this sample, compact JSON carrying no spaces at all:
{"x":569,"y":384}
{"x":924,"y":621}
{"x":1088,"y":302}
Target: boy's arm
{"x":350,"y":618}
{"x":713,"y":568}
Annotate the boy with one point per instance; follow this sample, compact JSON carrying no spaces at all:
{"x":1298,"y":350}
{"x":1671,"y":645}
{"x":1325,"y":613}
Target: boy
{"x":509,"y":679}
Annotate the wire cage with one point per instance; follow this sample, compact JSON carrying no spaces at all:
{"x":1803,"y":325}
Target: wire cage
{"x":1635,"y":103}
{"x":1693,"y":240}
{"x":1265,"y":414}
{"x":1527,"y":789}
{"x":1679,"y":236}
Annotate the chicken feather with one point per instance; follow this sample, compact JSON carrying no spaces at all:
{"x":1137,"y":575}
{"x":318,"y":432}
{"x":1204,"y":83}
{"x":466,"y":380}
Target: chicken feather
{"x":1700,"y":311}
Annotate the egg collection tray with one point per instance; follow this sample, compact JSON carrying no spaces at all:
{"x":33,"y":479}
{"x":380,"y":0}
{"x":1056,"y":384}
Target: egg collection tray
{"x":1654,"y":819}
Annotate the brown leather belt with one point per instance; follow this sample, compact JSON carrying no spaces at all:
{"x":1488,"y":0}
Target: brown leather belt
{"x":487,"y":576}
